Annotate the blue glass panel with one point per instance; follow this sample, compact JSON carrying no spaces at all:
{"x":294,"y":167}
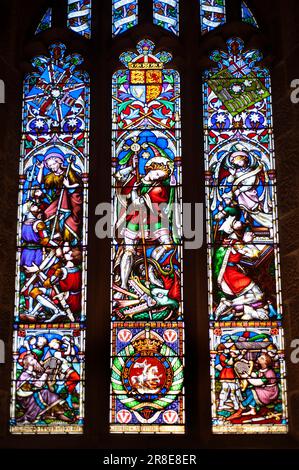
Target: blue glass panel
{"x":247,"y":15}
{"x":244,"y":287}
{"x":124,"y":15}
{"x":50,"y":297}
{"x":46,"y":22}
{"x":79,"y":17}
{"x":166,"y":14}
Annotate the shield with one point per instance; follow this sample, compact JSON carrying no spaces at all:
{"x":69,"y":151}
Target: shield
{"x":146,"y":85}
{"x":241,"y":367}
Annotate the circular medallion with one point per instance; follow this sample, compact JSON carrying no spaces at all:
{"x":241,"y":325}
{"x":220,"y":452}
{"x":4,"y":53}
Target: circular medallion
{"x":237,"y":88}
{"x":170,"y":417}
{"x":135,"y":147}
{"x":124,"y":416}
{"x":147,"y":377}
{"x":55,"y":93}
{"x":170,"y":336}
{"x":124,"y":335}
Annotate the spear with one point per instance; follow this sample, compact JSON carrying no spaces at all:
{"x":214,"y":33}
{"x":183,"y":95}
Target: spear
{"x":60,"y":200}
{"x":64,"y":305}
{"x":135,"y":147}
{"x":30,"y":177}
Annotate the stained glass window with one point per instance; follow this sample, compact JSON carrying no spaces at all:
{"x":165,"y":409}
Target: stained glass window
{"x":49,"y":320}
{"x":166,"y":14}
{"x":212,"y":14}
{"x":79,"y":17}
{"x":147,"y":313}
{"x":247,"y":15}
{"x":124,"y":15}
{"x":246,"y":333}
{"x":46,"y":22}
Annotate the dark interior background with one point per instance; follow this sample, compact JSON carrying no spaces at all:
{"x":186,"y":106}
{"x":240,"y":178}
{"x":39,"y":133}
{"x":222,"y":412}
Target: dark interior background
{"x":278,"y":38}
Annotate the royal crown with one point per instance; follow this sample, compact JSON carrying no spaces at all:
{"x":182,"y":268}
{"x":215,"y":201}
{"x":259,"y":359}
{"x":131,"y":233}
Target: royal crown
{"x":147,"y":346}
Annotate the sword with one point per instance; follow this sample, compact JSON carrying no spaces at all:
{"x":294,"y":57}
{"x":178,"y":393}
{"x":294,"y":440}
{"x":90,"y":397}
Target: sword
{"x":64,"y":305}
{"x":63,"y":302}
{"x":45,"y":264}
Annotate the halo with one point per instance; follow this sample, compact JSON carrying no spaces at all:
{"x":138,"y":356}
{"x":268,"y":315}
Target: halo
{"x":55,"y":155}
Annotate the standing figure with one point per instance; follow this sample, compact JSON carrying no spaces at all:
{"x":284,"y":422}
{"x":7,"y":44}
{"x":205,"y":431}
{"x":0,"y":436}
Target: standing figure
{"x":65,"y":352}
{"x":230,"y":387}
{"x":68,"y":282}
{"x":242,"y":173}
{"x":145,"y":215}
{"x":63,"y":185}
{"x":34,"y":235}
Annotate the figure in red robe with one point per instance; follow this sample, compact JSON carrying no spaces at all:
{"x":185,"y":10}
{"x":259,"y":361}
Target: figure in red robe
{"x":144,"y":216}
{"x":63,"y":185}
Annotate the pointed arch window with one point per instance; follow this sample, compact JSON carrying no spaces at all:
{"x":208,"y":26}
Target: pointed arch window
{"x":147,"y":313}
{"x":166,"y":15}
{"x":147,"y":318}
{"x":50,"y":298}
{"x":246,"y":333}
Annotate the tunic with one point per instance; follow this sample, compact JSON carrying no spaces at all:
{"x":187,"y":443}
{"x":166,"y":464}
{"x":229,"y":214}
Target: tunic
{"x":71,"y":204}
{"x":234,"y":277}
{"x":154,"y":195}
{"x":32,"y":251}
{"x":227,"y":372}
{"x":33,"y":398}
{"x":267,"y":393}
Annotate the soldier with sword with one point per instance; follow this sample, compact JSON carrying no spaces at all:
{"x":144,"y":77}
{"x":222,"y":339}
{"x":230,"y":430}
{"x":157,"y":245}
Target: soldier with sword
{"x":44,"y":287}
